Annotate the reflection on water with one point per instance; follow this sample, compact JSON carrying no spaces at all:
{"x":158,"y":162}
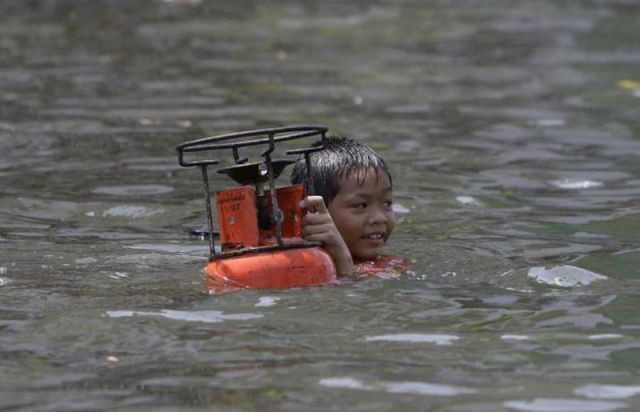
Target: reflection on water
{"x":511,"y":129}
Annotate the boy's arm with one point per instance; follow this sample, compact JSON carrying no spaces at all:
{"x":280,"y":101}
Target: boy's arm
{"x":318,"y":225}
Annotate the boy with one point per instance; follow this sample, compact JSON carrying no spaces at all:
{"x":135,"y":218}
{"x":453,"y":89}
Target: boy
{"x":352,"y":209}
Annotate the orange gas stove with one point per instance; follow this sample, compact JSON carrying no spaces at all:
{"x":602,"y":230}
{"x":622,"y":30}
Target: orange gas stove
{"x":259,"y":224}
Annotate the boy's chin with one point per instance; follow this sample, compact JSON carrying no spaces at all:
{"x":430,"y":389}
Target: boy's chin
{"x":369,"y":255}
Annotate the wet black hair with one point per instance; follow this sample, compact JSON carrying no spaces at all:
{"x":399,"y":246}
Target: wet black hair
{"x":341,"y":157}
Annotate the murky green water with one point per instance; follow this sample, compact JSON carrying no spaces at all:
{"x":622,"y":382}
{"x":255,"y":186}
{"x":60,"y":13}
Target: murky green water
{"x":513,"y":133}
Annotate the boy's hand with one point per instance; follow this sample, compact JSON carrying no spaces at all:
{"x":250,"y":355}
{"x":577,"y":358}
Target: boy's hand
{"x":318,"y":225}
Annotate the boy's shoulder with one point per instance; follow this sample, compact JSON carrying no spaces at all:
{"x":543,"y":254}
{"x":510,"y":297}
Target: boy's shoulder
{"x":383,"y":265}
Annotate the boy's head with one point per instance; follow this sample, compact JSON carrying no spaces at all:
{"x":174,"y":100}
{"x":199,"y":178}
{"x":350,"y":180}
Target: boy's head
{"x":355,"y":183}
{"x":341,"y":157}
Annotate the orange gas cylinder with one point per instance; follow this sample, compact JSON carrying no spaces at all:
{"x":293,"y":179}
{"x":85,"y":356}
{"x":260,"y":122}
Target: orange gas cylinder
{"x":259,"y":223}
{"x":253,"y":257}
{"x":287,"y":268}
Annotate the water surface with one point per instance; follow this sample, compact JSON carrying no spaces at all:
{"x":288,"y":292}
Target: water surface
{"x":512,"y":131}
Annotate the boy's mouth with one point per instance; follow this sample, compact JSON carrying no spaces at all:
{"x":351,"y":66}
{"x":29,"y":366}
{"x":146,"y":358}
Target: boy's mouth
{"x":376,"y":236}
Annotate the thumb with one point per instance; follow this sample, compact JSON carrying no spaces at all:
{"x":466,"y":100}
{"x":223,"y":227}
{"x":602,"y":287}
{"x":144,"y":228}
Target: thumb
{"x":315,"y":204}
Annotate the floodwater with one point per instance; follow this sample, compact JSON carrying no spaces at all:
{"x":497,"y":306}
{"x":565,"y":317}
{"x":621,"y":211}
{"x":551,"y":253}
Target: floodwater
{"x":512,"y":129}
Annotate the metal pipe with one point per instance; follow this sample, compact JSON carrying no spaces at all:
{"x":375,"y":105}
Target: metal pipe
{"x":311,"y":190}
{"x":275,"y":214}
{"x":207,"y":196}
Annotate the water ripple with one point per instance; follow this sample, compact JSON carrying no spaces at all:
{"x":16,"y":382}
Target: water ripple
{"x":130,"y":190}
{"x":599,"y":391}
{"x":410,"y":388}
{"x":438,"y":339}
{"x":206,"y":316}
{"x":563,"y":405}
{"x":133,"y":212}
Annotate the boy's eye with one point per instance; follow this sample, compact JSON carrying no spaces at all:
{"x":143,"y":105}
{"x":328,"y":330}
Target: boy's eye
{"x":361,"y":205}
{"x":388,"y":204}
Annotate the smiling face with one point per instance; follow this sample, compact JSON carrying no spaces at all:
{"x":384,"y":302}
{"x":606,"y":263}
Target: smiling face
{"x":362,"y":212}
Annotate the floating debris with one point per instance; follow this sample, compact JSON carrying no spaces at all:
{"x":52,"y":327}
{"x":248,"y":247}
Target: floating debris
{"x":564,"y":276}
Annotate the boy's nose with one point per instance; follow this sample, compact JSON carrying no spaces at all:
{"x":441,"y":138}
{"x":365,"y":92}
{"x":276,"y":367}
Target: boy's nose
{"x":377,"y":215}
